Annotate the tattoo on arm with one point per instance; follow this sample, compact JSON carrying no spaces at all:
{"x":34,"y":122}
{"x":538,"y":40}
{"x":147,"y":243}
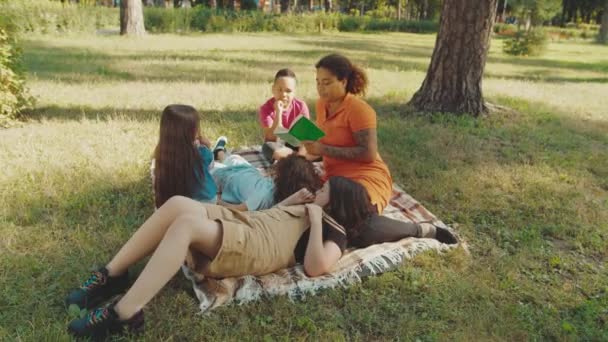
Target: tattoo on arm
{"x":365,"y":150}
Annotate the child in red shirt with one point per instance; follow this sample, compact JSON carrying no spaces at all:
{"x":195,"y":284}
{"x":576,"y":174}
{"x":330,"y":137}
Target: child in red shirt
{"x":283,"y":101}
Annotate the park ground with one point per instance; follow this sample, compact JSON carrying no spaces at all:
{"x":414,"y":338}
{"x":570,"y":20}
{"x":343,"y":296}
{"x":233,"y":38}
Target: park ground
{"x":526,"y":187}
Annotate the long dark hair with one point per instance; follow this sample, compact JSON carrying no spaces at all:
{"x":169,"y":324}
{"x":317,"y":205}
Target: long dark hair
{"x":292,"y":174}
{"x":178,"y":167}
{"x":343,"y":68}
{"x":349,"y":204}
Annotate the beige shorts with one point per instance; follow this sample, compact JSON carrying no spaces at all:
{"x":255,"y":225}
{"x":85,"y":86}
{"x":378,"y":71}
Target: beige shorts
{"x":253,"y":242}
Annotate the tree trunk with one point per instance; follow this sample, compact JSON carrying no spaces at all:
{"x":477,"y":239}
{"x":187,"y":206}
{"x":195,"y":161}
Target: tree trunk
{"x":284,"y":6}
{"x":328,"y":5}
{"x":131,"y":18}
{"x":603,"y":36}
{"x":399,"y":9}
{"x":425,"y":9}
{"x":453,"y":81}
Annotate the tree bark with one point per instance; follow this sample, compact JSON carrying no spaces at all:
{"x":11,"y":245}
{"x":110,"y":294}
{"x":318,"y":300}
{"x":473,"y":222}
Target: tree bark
{"x":453,"y":81}
{"x":132,"y":18}
{"x":285,"y":6}
{"x":399,"y":9}
{"x":603,"y":36}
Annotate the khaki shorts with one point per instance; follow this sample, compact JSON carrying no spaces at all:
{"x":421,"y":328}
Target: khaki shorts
{"x":253,"y":242}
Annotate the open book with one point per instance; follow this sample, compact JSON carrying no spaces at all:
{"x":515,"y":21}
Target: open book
{"x":302,"y":129}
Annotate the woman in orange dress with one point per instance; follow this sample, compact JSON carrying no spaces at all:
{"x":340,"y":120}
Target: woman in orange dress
{"x":350,"y":148}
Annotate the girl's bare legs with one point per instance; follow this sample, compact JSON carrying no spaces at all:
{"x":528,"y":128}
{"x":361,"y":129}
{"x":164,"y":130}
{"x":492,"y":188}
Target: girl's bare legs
{"x":189,"y":230}
{"x":149,"y":235}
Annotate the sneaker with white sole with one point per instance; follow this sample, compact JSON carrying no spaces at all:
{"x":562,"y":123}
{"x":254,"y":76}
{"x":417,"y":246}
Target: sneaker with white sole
{"x":220,"y":145}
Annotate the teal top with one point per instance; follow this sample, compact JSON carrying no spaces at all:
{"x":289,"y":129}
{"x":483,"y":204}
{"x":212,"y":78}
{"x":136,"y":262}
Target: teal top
{"x":245,"y":184}
{"x":207,"y":191}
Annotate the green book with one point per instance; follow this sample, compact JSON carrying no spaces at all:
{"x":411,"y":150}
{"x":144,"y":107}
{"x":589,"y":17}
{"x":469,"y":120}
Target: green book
{"x":302,"y":129}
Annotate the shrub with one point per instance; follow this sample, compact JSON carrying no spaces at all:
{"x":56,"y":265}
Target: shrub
{"x":43,"y":16}
{"x":158,"y":19}
{"x":13,"y":93}
{"x":366,"y":23}
{"x":526,"y":43}
{"x":353,"y":23}
{"x":505,"y":30}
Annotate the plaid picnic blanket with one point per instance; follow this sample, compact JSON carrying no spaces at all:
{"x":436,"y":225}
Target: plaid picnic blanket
{"x":354,"y":265}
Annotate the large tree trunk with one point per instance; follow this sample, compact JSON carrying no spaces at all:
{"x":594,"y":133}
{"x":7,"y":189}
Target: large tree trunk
{"x":453,"y":80}
{"x":131,"y":18}
{"x":603,"y":37}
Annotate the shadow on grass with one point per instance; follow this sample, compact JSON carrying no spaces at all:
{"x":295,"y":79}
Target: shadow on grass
{"x":89,"y":66}
{"x":539,"y":134}
{"x":537,"y":76}
{"x":74,"y":113}
{"x":549,"y":63}
{"x":61,"y":240}
{"x":362,"y":46}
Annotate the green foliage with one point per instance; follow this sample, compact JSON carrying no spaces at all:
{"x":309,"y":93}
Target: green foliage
{"x":526,"y":43}
{"x":507,"y":30}
{"x":43,"y":16}
{"x":582,"y":31}
{"x":157,"y":19}
{"x":249,"y":5}
{"x":13,"y":93}
{"x":538,"y":11}
{"x":203,"y":19}
{"x":368,"y":23}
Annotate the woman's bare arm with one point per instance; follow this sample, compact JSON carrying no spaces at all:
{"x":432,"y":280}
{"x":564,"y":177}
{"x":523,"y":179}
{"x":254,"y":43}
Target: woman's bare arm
{"x":365,"y":150}
{"x":320,"y":255}
{"x":300,"y":197}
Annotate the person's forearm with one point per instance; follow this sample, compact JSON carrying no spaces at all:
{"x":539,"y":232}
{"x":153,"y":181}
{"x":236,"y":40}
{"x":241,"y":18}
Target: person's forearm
{"x":269,"y":134}
{"x":286,"y":202}
{"x":358,"y":153}
{"x":314,"y":261}
{"x":269,"y":131}
{"x":277,"y":121}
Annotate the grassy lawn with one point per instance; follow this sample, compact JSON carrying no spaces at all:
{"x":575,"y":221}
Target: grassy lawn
{"x":527,"y":189}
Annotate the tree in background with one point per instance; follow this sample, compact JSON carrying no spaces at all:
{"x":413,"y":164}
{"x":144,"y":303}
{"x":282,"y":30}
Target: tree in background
{"x":583,"y":10}
{"x":132,"y":18}
{"x":603,"y":36}
{"x":453,"y":80}
{"x":535,"y":12}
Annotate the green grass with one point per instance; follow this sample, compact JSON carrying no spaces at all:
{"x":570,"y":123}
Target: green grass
{"x":527,"y":189}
